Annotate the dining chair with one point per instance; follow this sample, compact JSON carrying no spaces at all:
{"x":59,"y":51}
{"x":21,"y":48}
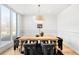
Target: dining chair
{"x":38,"y":49}
{"x":29,"y":49}
{"x":48,"y":49}
{"x":60,"y":43}
{"x":16,"y":43}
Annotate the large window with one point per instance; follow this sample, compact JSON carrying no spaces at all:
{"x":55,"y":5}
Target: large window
{"x":13,"y":19}
{"x":5,"y":21}
{"x":18,"y":25}
{"x":9,"y":23}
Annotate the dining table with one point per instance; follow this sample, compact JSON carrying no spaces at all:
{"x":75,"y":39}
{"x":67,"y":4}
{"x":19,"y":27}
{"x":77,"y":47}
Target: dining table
{"x":39,"y":39}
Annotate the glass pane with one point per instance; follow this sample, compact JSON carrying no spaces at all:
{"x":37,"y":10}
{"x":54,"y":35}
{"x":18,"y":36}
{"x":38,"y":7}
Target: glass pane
{"x":5,"y":22}
{"x":0,"y":22}
{"x":13,"y":18}
{"x":18,"y":24}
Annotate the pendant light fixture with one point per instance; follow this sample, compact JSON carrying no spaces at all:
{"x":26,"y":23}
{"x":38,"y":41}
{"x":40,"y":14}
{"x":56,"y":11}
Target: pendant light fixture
{"x":39,"y":17}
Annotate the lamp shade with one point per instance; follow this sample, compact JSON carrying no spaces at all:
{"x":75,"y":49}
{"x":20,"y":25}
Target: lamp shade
{"x":39,"y":19}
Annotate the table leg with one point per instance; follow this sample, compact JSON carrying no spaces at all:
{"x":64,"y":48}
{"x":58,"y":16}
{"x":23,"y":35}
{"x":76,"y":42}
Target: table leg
{"x":55,"y":50}
{"x":21,"y":46}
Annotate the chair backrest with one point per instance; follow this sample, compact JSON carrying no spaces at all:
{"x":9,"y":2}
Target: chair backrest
{"x":48,"y":49}
{"x":60,"y":43}
{"x":29,"y":49}
{"x":38,"y":49}
{"x":17,"y":37}
{"x":16,"y":42}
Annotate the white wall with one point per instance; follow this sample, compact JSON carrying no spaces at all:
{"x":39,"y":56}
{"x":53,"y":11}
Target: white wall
{"x":68,"y":26}
{"x":49,"y":25}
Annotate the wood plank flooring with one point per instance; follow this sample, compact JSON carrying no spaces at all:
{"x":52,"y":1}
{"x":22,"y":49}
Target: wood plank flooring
{"x":66,"y":51}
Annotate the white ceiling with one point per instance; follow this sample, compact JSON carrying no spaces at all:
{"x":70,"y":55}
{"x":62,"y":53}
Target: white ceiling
{"x":32,"y":9}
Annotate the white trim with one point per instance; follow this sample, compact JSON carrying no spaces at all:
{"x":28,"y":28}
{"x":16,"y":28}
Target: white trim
{"x":0,"y":22}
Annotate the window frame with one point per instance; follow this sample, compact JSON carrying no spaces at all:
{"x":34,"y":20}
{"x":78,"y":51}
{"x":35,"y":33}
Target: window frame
{"x":10,"y":20}
{"x":8,"y":9}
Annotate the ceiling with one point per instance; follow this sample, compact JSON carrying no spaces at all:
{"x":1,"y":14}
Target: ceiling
{"x":33,"y":9}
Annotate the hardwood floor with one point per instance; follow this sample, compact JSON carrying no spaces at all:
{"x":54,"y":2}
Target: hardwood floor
{"x":66,"y":51}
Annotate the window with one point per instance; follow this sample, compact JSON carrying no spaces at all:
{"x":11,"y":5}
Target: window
{"x":18,"y":24}
{"x":13,"y":19}
{"x":5,"y":21}
{"x":9,"y":23}
{"x":0,"y":21}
